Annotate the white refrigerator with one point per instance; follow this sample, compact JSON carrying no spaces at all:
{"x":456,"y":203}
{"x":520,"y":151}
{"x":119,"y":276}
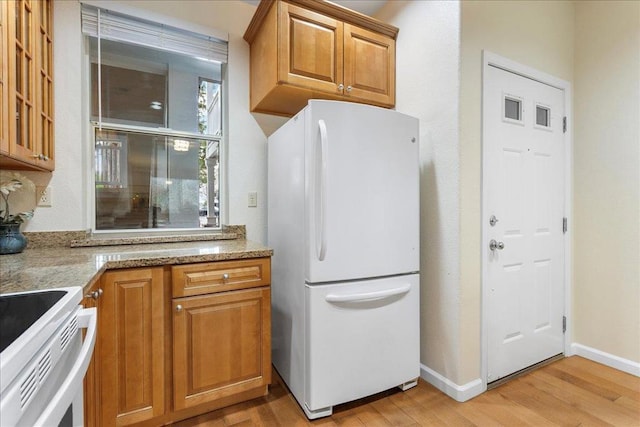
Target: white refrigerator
{"x":343,"y":221}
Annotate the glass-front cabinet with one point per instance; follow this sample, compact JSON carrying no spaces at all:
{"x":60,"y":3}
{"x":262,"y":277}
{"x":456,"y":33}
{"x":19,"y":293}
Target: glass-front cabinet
{"x":26,"y":85}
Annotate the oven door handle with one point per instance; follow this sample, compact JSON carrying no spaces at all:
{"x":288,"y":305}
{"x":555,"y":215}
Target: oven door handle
{"x":72,"y":385}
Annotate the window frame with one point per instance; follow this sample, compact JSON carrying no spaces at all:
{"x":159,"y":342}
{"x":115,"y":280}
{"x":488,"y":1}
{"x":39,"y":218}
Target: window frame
{"x":89,"y":126}
{"x":93,"y":126}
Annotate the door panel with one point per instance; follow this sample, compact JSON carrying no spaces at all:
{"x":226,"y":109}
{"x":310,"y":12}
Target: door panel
{"x":369,"y":65}
{"x":524,"y":185}
{"x":221,"y":345}
{"x":312,"y":46}
{"x":367,"y":194}
{"x":131,"y":346}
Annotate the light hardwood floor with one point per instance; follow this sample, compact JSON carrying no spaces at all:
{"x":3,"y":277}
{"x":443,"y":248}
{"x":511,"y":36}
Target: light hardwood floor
{"x":570,"y":392}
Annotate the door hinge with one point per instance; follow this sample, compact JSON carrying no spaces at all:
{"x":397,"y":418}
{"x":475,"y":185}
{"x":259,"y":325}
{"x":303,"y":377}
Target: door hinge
{"x":565,"y":225}
{"x":564,"y":125}
{"x":564,"y":324}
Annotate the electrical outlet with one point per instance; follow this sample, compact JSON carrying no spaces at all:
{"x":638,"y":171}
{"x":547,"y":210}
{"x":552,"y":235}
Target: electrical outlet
{"x":44,"y":199}
{"x":253,"y":199}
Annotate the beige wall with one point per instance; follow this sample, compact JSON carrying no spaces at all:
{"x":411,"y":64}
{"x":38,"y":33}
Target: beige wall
{"x":607,"y":178}
{"x":427,"y":69}
{"x":538,"y":34}
{"x":535,"y":33}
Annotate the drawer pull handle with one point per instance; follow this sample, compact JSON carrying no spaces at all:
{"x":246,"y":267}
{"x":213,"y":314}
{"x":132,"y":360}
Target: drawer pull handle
{"x":178,"y":307}
{"x":225,"y":276}
{"x":369,"y":296}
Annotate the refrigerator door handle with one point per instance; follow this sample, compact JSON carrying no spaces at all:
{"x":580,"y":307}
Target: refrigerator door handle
{"x":368,"y":296}
{"x":321,"y":207}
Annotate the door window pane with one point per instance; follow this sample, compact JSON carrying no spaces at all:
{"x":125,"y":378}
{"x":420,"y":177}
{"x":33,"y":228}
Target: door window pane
{"x":512,"y":109}
{"x":542,"y":116}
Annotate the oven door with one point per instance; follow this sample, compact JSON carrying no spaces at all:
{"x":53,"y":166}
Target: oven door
{"x":65,"y":408}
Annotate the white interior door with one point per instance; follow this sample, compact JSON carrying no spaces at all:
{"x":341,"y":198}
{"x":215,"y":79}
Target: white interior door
{"x":524,"y":194}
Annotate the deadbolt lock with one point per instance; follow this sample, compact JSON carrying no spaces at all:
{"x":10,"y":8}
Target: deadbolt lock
{"x":493,"y":245}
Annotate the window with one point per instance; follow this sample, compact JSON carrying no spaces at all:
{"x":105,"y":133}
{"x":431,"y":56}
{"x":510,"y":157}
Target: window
{"x":512,"y":108}
{"x":543,"y":115}
{"x":156,"y":112}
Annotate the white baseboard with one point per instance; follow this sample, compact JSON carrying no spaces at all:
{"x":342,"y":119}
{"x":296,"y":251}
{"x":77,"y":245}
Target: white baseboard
{"x":461,"y":393}
{"x":616,"y":362}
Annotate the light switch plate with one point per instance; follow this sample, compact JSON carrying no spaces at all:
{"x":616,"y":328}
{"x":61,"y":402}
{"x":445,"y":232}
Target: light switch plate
{"x":253,"y":199}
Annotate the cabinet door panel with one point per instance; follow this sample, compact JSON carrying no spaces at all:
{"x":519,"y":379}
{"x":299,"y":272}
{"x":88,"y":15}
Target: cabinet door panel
{"x":311,"y":49}
{"x":132,"y":346}
{"x":369,"y":65}
{"x":221,"y":345}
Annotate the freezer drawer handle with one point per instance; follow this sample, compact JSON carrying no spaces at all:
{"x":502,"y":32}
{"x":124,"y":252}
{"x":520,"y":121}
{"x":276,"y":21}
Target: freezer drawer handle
{"x":368,"y":296}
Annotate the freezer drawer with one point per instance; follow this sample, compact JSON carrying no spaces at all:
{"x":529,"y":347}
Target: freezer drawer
{"x":362,"y":338}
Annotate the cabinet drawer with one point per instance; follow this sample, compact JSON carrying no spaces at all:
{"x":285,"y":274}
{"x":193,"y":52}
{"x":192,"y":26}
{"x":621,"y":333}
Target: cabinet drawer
{"x":210,"y":277}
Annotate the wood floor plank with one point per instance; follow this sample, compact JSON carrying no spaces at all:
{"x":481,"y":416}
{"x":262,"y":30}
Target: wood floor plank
{"x":509,"y":413}
{"x":392,"y":413}
{"x":349,"y":421}
{"x":582,"y":399}
{"x":548,"y":406}
{"x":569,"y":392}
{"x":629,"y":403}
{"x":601,"y":378}
{"x":409,"y":406}
{"x":619,"y":377}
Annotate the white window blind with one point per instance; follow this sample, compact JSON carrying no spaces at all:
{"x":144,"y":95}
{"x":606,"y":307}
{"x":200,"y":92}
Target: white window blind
{"x":124,"y":28}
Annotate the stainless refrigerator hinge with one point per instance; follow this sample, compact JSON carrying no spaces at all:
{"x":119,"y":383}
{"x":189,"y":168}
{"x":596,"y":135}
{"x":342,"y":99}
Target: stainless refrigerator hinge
{"x":564,"y":324}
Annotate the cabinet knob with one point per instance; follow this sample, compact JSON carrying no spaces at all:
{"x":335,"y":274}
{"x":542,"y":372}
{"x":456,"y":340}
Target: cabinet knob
{"x":340,"y":87}
{"x":349,"y":88}
{"x":95,"y":294}
{"x":225,"y":276}
{"x":178,"y":307}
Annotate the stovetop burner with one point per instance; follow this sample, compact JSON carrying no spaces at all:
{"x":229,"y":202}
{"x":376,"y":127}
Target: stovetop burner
{"x":18,"y":312}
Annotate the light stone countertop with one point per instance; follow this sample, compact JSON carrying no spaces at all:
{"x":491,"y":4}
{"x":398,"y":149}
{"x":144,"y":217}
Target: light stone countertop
{"x":46,"y":268}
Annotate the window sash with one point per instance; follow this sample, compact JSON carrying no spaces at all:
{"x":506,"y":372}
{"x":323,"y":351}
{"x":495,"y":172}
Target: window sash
{"x":125,"y":28}
{"x":163,"y":132}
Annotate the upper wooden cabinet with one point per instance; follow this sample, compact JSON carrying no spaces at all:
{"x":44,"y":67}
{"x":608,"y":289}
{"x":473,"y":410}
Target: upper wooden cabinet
{"x":26,"y":85}
{"x":304,"y":49}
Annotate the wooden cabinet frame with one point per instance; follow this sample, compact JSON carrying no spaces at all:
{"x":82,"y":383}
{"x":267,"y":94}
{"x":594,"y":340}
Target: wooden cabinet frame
{"x":303,"y":49}
{"x":159,"y":328}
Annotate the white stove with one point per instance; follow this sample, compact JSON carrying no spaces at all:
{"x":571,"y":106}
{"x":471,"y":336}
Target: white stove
{"x":43,"y":358}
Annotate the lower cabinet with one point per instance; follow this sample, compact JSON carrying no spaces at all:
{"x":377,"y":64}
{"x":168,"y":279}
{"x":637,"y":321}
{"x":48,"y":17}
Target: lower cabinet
{"x":220,"y":346}
{"x":131,"y":355}
{"x":160,"y":358}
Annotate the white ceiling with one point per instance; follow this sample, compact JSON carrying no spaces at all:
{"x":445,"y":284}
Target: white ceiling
{"x":367,"y":7}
